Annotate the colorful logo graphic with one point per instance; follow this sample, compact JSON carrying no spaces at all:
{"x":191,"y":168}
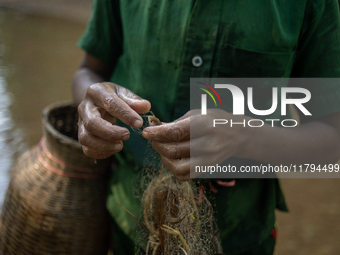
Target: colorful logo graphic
{"x":209,"y":93}
{"x":239,"y":99}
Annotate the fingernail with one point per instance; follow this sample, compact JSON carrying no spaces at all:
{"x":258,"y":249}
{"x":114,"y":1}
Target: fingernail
{"x":126,"y":136}
{"x":137,"y":124}
{"x":118,"y":147}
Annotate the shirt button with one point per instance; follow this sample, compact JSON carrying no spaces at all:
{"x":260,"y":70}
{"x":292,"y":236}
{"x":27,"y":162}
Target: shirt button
{"x":197,"y":61}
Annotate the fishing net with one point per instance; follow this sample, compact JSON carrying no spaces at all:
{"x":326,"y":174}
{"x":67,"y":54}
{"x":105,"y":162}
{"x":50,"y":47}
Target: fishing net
{"x":177,"y":216}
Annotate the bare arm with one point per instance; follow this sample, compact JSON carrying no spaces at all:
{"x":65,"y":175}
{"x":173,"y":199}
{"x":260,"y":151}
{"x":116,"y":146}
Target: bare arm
{"x":91,"y":71}
{"x":315,"y":142}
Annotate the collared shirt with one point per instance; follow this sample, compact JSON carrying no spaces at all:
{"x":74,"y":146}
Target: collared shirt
{"x":157,"y":46}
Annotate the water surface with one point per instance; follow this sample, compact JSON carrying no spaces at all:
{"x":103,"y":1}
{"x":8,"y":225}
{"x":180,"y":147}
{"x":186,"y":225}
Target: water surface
{"x":38,"y":56}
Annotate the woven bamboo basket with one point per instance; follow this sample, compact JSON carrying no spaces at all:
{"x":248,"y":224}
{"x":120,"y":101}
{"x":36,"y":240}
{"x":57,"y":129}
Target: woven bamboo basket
{"x":55,"y":202}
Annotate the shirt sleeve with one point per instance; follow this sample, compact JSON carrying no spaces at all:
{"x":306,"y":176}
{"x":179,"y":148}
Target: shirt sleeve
{"x":103,"y":36}
{"x":318,"y":56}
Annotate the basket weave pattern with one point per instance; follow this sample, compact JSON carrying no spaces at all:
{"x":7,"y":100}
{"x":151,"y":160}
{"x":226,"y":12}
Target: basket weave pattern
{"x":55,"y":203}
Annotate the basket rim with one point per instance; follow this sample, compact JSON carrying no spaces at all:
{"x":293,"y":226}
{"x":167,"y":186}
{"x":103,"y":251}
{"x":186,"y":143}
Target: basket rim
{"x":51,"y":130}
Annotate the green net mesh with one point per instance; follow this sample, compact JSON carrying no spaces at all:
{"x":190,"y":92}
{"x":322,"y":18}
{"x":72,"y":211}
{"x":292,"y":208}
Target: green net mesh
{"x":178,"y":217}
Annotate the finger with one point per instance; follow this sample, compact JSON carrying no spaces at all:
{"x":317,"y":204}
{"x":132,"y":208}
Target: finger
{"x":191,"y":127}
{"x":137,"y":103}
{"x":204,"y":160}
{"x":197,"y":147}
{"x":107,"y":116}
{"x":90,"y":118}
{"x":97,"y":154}
{"x":180,"y":168}
{"x":87,"y":139}
{"x":199,"y":165}
{"x":170,"y":132}
{"x":200,"y":125}
{"x":226,"y":183}
{"x":189,"y":114}
{"x":104,"y":96}
{"x":209,"y":145}
{"x":173,"y":150}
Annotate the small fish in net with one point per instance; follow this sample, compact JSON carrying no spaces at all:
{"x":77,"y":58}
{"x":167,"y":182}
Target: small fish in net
{"x":178,"y":217}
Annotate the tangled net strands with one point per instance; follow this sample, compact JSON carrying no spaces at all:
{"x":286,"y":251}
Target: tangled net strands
{"x":178,"y":218}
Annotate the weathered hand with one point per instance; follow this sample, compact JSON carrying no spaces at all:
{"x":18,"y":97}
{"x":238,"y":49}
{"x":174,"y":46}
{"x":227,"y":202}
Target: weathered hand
{"x":209,"y":145}
{"x":97,"y":112}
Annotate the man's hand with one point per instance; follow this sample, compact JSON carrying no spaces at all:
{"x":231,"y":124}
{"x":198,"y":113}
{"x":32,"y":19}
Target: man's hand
{"x":103,"y":103}
{"x":209,"y":145}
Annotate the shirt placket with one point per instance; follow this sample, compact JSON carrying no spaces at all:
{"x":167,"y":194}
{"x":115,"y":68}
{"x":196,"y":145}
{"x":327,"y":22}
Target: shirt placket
{"x":199,"y":49}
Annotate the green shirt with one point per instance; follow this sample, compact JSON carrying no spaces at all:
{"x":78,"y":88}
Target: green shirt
{"x":151,"y":44}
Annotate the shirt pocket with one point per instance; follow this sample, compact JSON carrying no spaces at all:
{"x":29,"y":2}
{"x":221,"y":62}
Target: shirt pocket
{"x":235,"y":62}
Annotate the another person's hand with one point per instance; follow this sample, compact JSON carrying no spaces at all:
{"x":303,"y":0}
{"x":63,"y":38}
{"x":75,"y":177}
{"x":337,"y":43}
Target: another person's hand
{"x":209,"y":145}
{"x":97,"y":112}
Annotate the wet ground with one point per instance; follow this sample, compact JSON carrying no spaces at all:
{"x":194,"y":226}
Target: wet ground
{"x":38,"y":57}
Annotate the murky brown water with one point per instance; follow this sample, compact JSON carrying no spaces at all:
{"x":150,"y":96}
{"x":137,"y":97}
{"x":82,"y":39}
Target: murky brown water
{"x":38,"y":57}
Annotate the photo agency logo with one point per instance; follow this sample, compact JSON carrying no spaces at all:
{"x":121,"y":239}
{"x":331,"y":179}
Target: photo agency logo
{"x":239,"y":99}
